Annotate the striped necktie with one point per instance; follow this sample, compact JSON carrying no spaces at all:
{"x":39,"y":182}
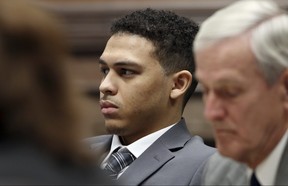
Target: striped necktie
{"x":118,"y":161}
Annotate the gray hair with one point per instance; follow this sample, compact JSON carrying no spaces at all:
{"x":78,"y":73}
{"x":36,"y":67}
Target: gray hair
{"x":268,"y":25}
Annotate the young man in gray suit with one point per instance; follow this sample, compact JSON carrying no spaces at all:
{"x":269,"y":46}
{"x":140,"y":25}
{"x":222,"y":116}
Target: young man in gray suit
{"x":147,"y":68}
{"x":242,"y":62}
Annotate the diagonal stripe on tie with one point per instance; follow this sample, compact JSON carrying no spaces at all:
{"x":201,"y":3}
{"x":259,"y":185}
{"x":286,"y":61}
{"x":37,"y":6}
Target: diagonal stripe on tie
{"x":118,"y":161}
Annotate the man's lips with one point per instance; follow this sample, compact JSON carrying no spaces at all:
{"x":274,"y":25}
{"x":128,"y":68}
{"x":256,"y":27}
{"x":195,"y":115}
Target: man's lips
{"x":224,"y":131}
{"x":108,"y":107}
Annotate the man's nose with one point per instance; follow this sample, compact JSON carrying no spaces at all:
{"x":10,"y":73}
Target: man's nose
{"x":214,"y":108}
{"x":108,"y":85}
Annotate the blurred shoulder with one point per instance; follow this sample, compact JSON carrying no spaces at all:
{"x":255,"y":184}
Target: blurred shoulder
{"x":221,"y":170}
{"x":196,"y":142}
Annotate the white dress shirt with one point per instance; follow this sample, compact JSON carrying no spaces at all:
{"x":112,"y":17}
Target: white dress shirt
{"x":137,"y":147}
{"x":266,"y":170}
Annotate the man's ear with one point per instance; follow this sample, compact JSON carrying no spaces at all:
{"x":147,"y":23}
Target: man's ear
{"x":181,"y":82}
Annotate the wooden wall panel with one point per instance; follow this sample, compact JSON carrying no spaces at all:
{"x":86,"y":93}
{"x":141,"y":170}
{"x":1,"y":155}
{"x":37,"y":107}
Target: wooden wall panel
{"x":88,"y":21}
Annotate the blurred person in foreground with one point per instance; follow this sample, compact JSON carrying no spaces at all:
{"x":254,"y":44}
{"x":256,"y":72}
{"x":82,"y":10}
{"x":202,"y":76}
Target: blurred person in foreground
{"x":40,"y":131}
{"x":242,"y":62}
{"x":147,"y":68}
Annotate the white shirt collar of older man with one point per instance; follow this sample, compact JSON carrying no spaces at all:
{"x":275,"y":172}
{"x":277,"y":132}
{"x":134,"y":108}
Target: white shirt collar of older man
{"x":266,"y":171}
{"x":139,"y":146}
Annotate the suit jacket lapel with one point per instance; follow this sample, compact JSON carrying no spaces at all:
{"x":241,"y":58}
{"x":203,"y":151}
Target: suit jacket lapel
{"x":159,"y":153}
{"x":281,"y":176}
{"x":145,"y":165}
{"x":238,"y":176}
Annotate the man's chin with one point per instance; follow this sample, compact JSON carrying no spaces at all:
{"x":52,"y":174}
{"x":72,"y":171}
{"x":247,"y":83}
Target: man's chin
{"x":114,"y":129}
{"x":230,"y":152}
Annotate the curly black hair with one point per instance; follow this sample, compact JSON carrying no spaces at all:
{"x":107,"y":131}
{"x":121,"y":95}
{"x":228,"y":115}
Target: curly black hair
{"x":171,"y":34}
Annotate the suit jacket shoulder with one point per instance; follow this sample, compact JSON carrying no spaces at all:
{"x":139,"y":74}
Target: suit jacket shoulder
{"x":176,"y":158}
{"x":221,"y":170}
{"x":281,"y":175}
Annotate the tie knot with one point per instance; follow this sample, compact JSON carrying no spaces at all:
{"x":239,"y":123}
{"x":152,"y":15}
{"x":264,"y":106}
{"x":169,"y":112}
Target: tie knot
{"x":118,"y":161}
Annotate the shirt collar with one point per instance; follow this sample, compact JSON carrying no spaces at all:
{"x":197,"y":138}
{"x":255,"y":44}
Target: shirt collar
{"x":266,"y":170}
{"x":139,"y":146}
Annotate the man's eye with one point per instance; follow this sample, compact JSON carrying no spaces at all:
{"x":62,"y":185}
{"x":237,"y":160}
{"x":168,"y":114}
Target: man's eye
{"x":229,"y":93}
{"x":104,"y":71}
{"x":126,"y":72}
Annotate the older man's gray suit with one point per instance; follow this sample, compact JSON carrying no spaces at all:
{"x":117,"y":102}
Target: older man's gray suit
{"x":176,"y":158}
{"x":221,"y":170}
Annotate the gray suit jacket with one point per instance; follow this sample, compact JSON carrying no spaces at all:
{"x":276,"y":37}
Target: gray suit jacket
{"x":176,"y":158}
{"x":221,"y":170}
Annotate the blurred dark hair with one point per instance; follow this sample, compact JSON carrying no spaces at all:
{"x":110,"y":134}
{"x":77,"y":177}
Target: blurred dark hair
{"x":37,"y":102}
{"x":172,"y":36}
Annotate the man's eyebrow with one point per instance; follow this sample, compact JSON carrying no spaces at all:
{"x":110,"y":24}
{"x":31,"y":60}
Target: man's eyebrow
{"x":121,"y":63}
{"x":229,"y":81}
{"x":101,"y":61}
{"x":126,"y":63}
